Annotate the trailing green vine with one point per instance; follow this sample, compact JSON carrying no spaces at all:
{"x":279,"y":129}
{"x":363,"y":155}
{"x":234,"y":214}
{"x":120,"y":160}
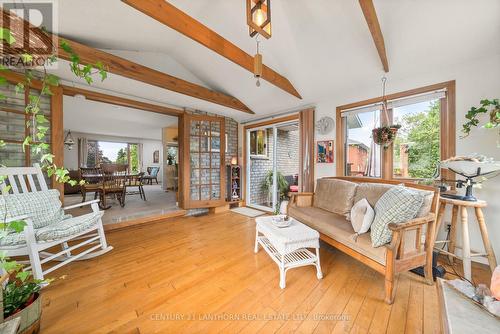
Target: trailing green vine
{"x":491,"y":107}
{"x":17,"y":292}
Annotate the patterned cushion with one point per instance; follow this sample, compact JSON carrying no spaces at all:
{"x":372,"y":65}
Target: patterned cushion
{"x":67,"y":227}
{"x":44,"y":207}
{"x":59,"y":230}
{"x":399,"y":204}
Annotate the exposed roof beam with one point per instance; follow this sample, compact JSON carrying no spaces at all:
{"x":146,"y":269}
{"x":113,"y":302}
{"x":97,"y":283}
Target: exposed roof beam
{"x":120,"y":101}
{"x":176,"y":19}
{"x":97,"y":96}
{"x":131,"y":70}
{"x":374,"y":26}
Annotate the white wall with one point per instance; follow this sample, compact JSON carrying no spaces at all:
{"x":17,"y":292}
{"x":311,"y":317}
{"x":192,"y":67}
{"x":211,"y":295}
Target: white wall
{"x":474,"y":81}
{"x":149,"y":146}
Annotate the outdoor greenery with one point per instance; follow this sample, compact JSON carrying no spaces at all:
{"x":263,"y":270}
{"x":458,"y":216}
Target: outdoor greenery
{"x":134,"y":158}
{"x":420,"y":132}
{"x":121,"y":157}
{"x":267,"y":184}
{"x":22,"y":286}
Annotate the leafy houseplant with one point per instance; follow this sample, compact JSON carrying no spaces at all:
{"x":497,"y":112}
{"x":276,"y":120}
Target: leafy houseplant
{"x":385,"y":135}
{"x":267,"y":184}
{"x":489,"y":107}
{"x":19,"y":288}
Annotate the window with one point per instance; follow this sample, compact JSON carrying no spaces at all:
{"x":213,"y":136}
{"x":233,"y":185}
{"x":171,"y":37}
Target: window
{"x":362,"y":156}
{"x":103,"y":152}
{"x":426,"y":136}
{"x":258,"y":143}
{"x":416,"y":150}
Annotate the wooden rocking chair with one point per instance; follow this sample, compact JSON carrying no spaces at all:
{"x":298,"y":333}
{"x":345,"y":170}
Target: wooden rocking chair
{"x":47,"y":224}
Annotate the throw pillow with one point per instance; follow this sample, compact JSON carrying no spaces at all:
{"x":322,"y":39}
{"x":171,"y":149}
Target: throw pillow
{"x":399,"y":204}
{"x":362,"y":216}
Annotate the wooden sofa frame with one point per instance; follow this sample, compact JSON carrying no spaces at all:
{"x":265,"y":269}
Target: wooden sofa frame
{"x":397,"y":260}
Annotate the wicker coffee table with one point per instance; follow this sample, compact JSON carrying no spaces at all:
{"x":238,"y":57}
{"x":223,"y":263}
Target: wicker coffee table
{"x":288,"y":246}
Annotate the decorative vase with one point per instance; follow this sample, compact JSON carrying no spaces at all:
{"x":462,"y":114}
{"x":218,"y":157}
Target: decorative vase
{"x":30,"y":317}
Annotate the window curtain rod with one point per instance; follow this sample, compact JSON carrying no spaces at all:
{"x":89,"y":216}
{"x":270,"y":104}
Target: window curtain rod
{"x":272,"y":116}
{"x":400,"y":102}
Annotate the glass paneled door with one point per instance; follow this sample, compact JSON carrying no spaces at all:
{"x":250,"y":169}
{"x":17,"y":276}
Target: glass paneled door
{"x":272,"y":164}
{"x":204,"y":184}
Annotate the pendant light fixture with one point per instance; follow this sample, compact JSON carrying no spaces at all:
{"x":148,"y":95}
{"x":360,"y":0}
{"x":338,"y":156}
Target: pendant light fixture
{"x":259,"y":17}
{"x":257,"y":63}
{"x":69,"y":142}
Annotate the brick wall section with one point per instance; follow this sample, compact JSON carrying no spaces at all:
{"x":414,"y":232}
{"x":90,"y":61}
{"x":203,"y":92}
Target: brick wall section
{"x":287,"y":163}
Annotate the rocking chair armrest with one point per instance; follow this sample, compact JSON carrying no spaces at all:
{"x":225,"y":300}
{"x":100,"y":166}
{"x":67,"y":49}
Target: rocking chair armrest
{"x":413,"y":222}
{"x":81,"y":204}
{"x":21,"y":217}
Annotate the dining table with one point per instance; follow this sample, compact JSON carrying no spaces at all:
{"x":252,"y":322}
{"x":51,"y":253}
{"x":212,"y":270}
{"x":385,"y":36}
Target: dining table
{"x":123,"y":179}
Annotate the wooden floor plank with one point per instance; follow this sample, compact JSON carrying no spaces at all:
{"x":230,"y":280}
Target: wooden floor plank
{"x":199,"y":274}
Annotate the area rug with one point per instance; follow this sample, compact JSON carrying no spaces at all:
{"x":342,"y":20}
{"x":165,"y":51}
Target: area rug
{"x":248,"y":212}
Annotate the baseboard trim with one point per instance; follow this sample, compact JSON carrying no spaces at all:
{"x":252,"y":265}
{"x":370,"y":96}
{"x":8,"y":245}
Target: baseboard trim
{"x":144,"y":220}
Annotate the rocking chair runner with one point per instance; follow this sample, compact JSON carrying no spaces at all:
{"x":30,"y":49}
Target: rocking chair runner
{"x":47,"y":224}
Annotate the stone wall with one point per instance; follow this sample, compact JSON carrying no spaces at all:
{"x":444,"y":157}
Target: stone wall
{"x":287,"y":162}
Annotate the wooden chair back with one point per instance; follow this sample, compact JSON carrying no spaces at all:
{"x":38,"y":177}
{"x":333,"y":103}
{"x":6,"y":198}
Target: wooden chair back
{"x":23,"y":179}
{"x":114,"y":168}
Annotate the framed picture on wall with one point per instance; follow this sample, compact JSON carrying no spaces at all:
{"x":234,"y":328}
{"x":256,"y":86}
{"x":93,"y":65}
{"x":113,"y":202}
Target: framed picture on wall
{"x":156,"y":157}
{"x":324,"y":151}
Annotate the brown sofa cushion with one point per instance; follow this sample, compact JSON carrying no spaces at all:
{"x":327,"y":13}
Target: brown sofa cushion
{"x":335,"y":195}
{"x":339,"y":229}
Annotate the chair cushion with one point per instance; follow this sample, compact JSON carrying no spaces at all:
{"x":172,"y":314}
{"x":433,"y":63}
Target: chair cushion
{"x":399,"y":204}
{"x":335,"y":195}
{"x":44,"y":207}
{"x":339,"y":229}
{"x":67,"y":227}
{"x":362,"y":215}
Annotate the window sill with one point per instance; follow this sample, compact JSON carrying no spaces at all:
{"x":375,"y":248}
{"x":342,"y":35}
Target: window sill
{"x":259,"y":157}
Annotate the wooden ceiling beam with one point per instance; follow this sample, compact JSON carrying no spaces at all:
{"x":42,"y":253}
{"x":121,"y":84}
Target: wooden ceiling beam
{"x":166,"y":13}
{"x":129,"y":69}
{"x":120,"y":101}
{"x":371,"y":18}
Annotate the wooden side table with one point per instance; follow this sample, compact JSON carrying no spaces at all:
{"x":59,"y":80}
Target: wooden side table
{"x":467,"y":253}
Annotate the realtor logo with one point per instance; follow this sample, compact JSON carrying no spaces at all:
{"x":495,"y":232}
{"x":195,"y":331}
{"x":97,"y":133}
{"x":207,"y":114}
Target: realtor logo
{"x":31,"y":42}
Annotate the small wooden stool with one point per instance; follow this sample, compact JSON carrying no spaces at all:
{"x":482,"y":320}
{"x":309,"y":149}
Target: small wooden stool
{"x":467,"y":254}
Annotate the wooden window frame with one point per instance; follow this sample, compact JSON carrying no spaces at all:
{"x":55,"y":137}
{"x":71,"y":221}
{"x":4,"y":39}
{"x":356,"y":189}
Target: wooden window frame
{"x":447,"y":131}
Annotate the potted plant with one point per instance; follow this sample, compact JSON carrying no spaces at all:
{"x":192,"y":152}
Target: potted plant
{"x":489,"y":107}
{"x":267,"y":184}
{"x":21,"y":299}
{"x":385,"y":135}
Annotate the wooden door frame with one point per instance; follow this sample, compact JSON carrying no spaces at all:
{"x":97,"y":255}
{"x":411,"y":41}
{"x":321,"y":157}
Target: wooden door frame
{"x":184,"y":162}
{"x":269,"y":122}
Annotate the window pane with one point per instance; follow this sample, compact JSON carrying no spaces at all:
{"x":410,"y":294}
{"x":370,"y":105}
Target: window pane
{"x":110,"y":152}
{"x":362,"y":155}
{"x":253,"y":142}
{"x":417,"y":145}
{"x":261,"y":142}
{"x":92,"y":154}
{"x":134,"y":158}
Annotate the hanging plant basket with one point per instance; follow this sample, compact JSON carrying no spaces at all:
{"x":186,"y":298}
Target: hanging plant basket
{"x":385,"y":135}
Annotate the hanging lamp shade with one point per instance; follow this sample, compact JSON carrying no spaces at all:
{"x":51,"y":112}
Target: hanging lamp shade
{"x":69,"y":142}
{"x":259,"y":17}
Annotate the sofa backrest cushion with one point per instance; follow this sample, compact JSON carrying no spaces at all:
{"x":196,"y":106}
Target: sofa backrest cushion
{"x":371,"y":191}
{"x":397,"y":205}
{"x":44,"y":207}
{"x":335,"y":195}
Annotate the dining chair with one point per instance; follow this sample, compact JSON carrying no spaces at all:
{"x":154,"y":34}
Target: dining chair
{"x":93,"y":178}
{"x":135,"y":181}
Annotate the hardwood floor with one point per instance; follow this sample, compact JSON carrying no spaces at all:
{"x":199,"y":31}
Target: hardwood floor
{"x":199,"y":274}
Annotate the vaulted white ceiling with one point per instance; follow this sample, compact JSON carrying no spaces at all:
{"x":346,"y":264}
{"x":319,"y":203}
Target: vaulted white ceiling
{"x":322,"y":46}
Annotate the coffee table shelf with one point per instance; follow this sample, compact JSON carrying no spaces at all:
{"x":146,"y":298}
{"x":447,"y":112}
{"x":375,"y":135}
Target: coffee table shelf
{"x":293,"y":243}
